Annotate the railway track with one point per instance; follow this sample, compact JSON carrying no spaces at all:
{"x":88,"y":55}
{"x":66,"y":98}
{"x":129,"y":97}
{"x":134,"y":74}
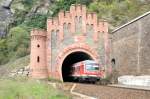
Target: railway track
{"x":111,"y":92}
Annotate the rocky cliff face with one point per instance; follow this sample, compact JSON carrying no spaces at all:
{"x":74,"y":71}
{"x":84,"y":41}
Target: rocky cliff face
{"x":5,"y":16}
{"x":9,"y":8}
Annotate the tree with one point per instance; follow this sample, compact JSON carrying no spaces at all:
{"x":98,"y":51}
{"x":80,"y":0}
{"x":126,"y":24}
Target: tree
{"x":65,"y":5}
{"x":17,"y":42}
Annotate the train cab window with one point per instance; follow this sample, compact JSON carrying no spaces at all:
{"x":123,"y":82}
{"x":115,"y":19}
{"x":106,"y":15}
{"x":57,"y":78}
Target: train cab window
{"x":92,"y":67}
{"x":96,"y":68}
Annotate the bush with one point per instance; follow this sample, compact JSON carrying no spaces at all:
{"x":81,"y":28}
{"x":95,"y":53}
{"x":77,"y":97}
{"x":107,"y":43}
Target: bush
{"x":36,"y":21}
{"x":65,"y":5}
{"x":3,"y":52}
{"x":18,"y":42}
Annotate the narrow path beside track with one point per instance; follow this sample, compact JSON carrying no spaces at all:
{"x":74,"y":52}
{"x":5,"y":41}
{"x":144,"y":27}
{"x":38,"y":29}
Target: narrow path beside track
{"x":83,"y":96}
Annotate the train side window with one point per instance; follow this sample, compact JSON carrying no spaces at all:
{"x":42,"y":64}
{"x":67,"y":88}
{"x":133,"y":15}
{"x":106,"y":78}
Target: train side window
{"x":78,"y":68}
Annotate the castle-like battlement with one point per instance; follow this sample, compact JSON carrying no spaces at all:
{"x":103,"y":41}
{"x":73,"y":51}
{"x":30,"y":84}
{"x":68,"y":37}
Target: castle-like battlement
{"x":77,"y":16}
{"x":38,"y":32}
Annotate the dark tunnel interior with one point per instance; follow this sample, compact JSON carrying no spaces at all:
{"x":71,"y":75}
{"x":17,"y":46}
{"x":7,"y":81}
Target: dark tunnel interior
{"x":70,"y":60}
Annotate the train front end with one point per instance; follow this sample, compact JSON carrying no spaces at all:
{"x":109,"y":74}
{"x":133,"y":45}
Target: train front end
{"x":92,"y":70}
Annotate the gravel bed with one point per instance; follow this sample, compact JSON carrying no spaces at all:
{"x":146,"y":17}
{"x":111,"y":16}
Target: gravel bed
{"x":111,"y":92}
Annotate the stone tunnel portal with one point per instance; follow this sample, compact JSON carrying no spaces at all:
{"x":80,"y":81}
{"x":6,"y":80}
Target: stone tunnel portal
{"x":73,"y":36}
{"x":70,"y":60}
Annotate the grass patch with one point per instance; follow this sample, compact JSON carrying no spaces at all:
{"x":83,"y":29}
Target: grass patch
{"x":21,"y":89}
{"x":54,"y":80}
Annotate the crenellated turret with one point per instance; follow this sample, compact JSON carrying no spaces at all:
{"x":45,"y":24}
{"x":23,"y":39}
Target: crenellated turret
{"x":38,"y":65}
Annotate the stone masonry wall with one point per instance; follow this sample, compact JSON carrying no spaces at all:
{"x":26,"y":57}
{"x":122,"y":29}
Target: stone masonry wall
{"x":145,"y":45}
{"x":131,"y":45}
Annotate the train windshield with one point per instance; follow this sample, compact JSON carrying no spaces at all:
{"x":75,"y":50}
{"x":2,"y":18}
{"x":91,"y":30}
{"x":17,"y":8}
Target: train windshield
{"x":92,"y":67}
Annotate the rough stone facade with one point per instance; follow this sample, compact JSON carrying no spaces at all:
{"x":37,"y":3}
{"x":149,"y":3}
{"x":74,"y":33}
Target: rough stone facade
{"x":131,"y":46}
{"x":77,"y":34}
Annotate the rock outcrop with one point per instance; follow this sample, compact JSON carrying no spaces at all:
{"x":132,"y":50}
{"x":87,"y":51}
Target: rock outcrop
{"x":24,"y":71}
{"x":5,"y":16}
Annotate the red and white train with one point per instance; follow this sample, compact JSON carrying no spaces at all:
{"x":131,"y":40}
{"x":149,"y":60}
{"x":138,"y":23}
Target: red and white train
{"x":87,"y":70}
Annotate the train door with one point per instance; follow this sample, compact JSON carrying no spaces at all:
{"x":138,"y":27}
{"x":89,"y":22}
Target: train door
{"x":81,"y":69}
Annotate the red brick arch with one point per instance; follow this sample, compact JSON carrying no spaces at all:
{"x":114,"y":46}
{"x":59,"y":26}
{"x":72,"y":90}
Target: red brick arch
{"x":71,"y":49}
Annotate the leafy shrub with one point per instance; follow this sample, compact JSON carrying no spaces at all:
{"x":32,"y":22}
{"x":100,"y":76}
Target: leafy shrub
{"x":17,"y":42}
{"x":28,"y":2}
{"x":65,"y":5}
{"x":3,"y":51}
{"x":36,"y":21}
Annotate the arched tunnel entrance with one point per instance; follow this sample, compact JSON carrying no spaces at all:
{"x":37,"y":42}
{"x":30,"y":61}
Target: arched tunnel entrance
{"x":70,"y":60}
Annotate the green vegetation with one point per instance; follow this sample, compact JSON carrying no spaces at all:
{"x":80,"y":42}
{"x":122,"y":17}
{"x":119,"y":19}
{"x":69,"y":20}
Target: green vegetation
{"x":28,"y":15}
{"x":54,"y":80}
{"x":18,"y":63}
{"x":118,"y":12}
{"x":3,"y":51}
{"x":13,"y":65}
{"x":65,"y":5}
{"x":18,"y":42}
{"x":27,"y":89}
